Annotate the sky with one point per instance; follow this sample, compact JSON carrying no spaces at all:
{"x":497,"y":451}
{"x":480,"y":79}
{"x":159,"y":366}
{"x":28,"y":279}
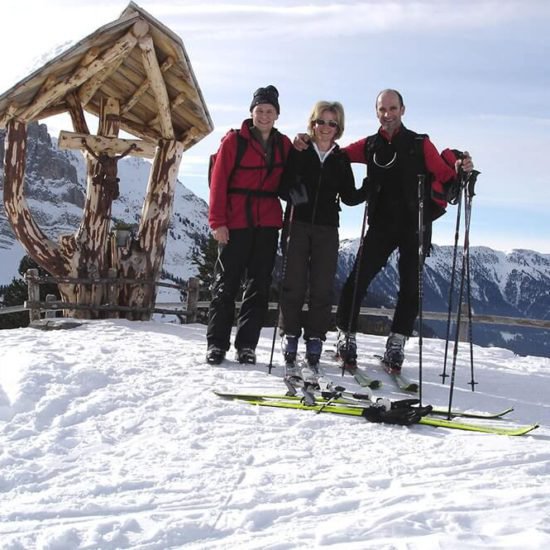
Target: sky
{"x":474,"y":76}
{"x":111,"y":438}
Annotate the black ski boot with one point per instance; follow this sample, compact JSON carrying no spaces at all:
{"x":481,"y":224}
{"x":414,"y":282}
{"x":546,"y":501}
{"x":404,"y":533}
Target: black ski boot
{"x":246,"y":356}
{"x":395,"y":351}
{"x":215,"y":355}
{"x":346,"y":348}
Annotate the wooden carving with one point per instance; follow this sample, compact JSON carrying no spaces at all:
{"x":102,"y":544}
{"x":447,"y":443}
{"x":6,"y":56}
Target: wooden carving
{"x":123,"y":75}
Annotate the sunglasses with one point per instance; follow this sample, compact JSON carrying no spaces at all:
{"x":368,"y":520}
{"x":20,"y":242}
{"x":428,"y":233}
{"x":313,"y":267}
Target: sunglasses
{"x":331,"y":123}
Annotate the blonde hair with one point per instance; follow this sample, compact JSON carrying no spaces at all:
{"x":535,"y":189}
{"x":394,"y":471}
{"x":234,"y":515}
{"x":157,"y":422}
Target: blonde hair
{"x":319,"y":108}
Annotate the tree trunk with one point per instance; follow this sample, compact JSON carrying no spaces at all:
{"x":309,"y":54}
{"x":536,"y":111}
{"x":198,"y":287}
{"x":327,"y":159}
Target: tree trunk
{"x":41,"y":249}
{"x":146,"y":255}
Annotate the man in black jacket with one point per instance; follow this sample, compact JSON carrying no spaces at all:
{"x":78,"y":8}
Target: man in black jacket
{"x":395,"y":157}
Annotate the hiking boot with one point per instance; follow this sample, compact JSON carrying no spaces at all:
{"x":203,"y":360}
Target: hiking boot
{"x":246,"y":356}
{"x":346,"y":346}
{"x":290,"y":348}
{"x":314,"y":347}
{"x":395,"y":350}
{"x":215,"y":355}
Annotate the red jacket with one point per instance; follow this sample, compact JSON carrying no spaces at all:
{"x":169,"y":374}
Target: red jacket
{"x":236,"y":209}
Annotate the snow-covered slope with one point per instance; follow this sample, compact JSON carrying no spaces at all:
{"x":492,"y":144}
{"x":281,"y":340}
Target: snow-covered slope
{"x":110,"y":437}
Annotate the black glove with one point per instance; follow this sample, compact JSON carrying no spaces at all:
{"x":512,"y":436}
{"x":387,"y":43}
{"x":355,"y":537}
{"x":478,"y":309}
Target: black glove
{"x":298,"y":195}
{"x":366,"y":188}
{"x":400,"y":412}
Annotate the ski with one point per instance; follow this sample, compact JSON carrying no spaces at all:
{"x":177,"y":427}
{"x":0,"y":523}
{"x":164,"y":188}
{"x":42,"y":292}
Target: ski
{"x":333,"y":408}
{"x":356,"y":399}
{"x":442,"y":411}
{"x":401,"y":381}
{"x":359,"y":375}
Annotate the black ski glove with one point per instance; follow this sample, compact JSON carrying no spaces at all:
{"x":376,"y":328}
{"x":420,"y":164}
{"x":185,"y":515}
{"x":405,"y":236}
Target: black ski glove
{"x":400,"y":412}
{"x":298,"y":195}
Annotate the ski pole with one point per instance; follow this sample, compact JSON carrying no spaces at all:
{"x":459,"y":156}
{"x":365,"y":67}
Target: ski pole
{"x":467,"y":190}
{"x":354,"y":308}
{"x":281,"y":284}
{"x":421,"y":191}
{"x":457,"y":329}
{"x":468,"y":209}
{"x":451,"y":287}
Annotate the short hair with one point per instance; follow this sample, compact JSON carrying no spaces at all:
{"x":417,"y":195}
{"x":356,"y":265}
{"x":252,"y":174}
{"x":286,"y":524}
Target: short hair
{"x":332,"y":106}
{"x":387,"y":90}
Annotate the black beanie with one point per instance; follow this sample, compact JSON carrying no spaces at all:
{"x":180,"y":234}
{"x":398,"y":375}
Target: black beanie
{"x":269,"y":94}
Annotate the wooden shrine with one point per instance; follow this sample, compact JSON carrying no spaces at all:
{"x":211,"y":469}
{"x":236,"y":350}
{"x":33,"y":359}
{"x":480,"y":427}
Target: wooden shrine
{"x":135,"y":76}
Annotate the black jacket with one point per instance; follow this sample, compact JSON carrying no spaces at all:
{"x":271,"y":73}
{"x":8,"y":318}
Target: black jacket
{"x":325,"y":183}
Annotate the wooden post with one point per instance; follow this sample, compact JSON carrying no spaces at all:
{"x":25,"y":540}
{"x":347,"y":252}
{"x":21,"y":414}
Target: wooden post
{"x":193,"y":285}
{"x":31,"y":277}
{"x":50,"y":313}
{"x":112,"y":292}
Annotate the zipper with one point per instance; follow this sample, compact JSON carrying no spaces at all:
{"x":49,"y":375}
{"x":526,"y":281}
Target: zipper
{"x":314,"y":212}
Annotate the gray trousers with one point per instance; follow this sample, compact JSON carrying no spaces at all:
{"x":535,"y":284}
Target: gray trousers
{"x":311,"y":262}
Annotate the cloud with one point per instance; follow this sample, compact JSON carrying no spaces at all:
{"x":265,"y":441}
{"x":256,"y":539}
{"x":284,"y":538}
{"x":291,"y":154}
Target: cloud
{"x":219,"y":21}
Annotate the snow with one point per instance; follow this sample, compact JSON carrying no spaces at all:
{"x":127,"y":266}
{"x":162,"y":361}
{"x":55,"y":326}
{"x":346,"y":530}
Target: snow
{"x":110,"y":437}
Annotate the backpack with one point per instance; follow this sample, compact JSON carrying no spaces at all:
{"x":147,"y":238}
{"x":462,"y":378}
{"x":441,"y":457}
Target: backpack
{"x":241,"y":148}
{"x":440,"y":194}
{"x":242,"y":144}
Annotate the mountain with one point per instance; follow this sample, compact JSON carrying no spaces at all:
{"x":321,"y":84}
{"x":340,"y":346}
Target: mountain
{"x":513,"y":284}
{"x":55,"y":191}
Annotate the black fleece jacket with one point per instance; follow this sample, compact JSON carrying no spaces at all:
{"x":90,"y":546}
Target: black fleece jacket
{"x":326,"y":183}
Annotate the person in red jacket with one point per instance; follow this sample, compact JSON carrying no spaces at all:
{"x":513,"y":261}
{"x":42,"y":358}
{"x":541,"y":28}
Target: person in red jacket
{"x":394,"y":156}
{"x":245,"y":216}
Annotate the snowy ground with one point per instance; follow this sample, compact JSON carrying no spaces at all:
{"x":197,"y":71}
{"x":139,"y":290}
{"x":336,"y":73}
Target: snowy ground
{"x":110,"y":438}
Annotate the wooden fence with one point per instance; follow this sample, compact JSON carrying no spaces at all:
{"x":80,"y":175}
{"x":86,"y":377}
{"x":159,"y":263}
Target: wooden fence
{"x":188,"y":310}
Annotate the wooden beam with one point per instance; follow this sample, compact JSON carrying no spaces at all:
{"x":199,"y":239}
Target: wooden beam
{"x":9,"y":113}
{"x":143,"y":87}
{"x":140,"y":130}
{"x":190,"y":138}
{"x":191,"y":118}
{"x":89,"y":56}
{"x":109,"y":117}
{"x":110,"y":145}
{"x":120,"y":49}
{"x":77,"y":113}
{"x":151,"y":66}
{"x":89,"y":88}
{"x":48,"y":84}
{"x":131,"y":124}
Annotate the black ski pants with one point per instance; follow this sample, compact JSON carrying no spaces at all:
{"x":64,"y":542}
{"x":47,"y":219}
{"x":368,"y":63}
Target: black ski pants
{"x":311,"y":262}
{"x":380,"y":241}
{"x":249,"y":254}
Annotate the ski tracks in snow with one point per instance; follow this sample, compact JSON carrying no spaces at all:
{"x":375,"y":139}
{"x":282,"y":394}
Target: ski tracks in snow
{"x":111,"y":437}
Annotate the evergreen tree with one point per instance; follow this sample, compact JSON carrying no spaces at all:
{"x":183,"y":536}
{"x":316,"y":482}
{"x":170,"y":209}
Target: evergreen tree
{"x":16,"y":293}
{"x":205,"y":260}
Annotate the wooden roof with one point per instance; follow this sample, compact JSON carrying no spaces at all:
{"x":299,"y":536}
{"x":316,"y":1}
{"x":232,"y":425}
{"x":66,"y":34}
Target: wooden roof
{"x":134,"y":59}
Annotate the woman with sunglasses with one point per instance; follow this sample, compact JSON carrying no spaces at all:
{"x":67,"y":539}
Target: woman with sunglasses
{"x":314,"y":180}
